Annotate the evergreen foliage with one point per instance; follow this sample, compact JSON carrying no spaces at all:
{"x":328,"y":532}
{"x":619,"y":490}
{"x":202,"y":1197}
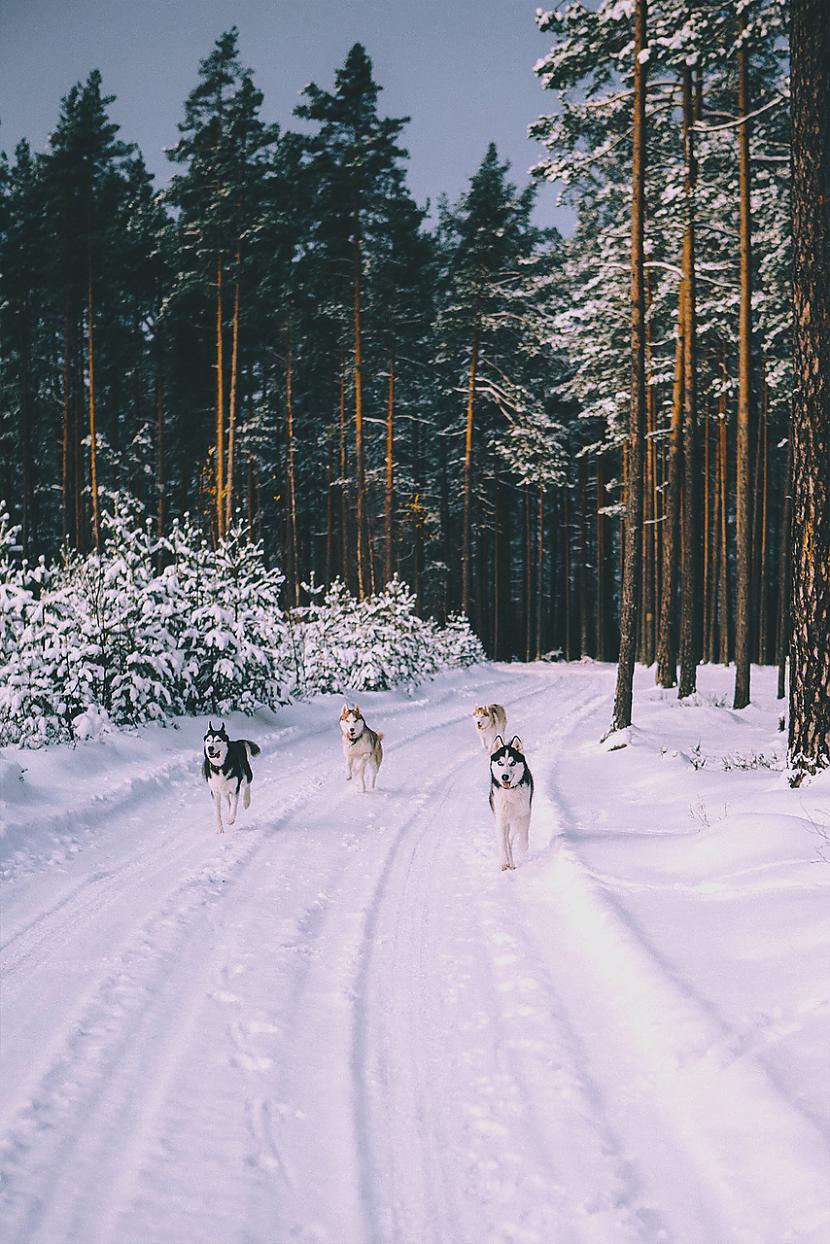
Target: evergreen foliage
{"x":282,"y":342}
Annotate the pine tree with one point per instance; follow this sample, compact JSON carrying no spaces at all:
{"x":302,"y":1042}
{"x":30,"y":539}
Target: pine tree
{"x":356,"y":167}
{"x":226,"y":147}
{"x":84,"y":186}
{"x":484,"y":238}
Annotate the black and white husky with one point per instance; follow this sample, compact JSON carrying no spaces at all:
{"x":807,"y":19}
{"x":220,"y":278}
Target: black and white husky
{"x":227,"y":770}
{"x":361,"y":746}
{"x":511,"y":796}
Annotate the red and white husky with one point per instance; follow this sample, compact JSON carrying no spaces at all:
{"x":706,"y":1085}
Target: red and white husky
{"x":489,"y":720}
{"x":362,"y":750}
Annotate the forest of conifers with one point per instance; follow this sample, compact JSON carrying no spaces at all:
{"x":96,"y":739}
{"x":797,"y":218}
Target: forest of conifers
{"x":445,"y":393}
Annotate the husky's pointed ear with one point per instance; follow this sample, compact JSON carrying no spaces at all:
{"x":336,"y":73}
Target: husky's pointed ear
{"x":210,"y":727}
{"x":498,"y":744}
{"x":516,"y":744}
{"x":357,"y":711}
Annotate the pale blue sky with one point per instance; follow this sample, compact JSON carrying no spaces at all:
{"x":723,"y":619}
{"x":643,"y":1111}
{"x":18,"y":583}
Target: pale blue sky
{"x":462,"y":69}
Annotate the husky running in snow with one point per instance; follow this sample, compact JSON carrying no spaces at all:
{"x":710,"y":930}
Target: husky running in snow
{"x":361,"y":746}
{"x":489,"y":720}
{"x":511,"y":796}
{"x":227,"y":769}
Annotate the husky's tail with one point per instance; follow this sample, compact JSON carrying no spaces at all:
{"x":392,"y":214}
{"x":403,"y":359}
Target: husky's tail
{"x":253,"y":748}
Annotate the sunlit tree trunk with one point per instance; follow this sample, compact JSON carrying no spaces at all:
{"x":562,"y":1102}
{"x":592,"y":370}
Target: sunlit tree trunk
{"x":723,"y":578}
{"x":232,"y":399}
{"x":344,"y":492}
{"x":809,"y":736}
{"x":634,"y":489}
{"x":329,"y":569}
{"x":742,"y":493}
{"x":689,"y":575}
{"x":360,"y":480}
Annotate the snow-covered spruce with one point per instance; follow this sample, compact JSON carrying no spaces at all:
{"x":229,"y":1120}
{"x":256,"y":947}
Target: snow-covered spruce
{"x":149,"y":628}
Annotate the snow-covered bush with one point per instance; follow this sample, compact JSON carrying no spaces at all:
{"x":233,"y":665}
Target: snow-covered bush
{"x":231,"y":635}
{"x":458,"y":644}
{"x":40,"y":687}
{"x":150,"y":627}
{"x":346,"y":645}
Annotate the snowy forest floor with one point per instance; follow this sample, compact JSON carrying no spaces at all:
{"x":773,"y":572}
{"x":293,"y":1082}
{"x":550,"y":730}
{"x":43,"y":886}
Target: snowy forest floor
{"x":341,"y":1022}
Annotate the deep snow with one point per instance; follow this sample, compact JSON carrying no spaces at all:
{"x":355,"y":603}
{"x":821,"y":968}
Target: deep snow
{"x":341,"y":1022}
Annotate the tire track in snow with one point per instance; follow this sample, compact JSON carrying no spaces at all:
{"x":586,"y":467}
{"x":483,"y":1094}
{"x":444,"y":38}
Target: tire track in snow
{"x":153,"y":992}
{"x":414,"y":920}
{"x":152,"y":995}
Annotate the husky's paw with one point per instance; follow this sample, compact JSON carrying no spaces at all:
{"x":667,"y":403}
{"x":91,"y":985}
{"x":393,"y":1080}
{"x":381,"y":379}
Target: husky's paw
{"x":505,"y":868}
{"x":220,"y":831}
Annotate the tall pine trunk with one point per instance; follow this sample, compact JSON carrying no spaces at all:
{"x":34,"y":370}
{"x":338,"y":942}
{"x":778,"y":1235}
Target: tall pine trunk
{"x":389,"y":495}
{"x":290,"y":468}
{"x":689,"y":576}
{"x":220,"y":407}
{"x":468,"y":471}
{"x":723,"y":577}
{"x":361,"y":543}
{"x":540,"y":569}
{"x":634,"y":486}
{"x":93,"y":443}
{"x":344,"y":492}
{"x":809,"y":738}
{"x":159,"y":409}
{"x":66,"y":439}
{"x":232,"y":399}
{"x":603,"y":565}
{"x":742,"y":493}
{"x":666,"y":654}
{"x":782,"y":617}
{"x":26,"y":465}
{"x":763,"y":593}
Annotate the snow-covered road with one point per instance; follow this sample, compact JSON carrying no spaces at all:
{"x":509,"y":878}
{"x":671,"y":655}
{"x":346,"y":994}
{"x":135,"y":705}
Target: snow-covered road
{"x":341,"y":1022}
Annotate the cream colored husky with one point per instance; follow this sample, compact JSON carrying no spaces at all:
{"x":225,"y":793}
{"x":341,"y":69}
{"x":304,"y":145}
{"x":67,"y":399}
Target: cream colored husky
{"x":489,"y":720}
{"x":361,"y":746}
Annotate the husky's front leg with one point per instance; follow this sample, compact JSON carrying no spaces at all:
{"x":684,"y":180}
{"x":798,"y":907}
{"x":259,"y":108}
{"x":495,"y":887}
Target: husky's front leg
{"x":522,"y":832}
{"x":361,"y":762}
{"x":233,"y":803}
{"x":503,"y":841}
{"x":217,"y":812}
